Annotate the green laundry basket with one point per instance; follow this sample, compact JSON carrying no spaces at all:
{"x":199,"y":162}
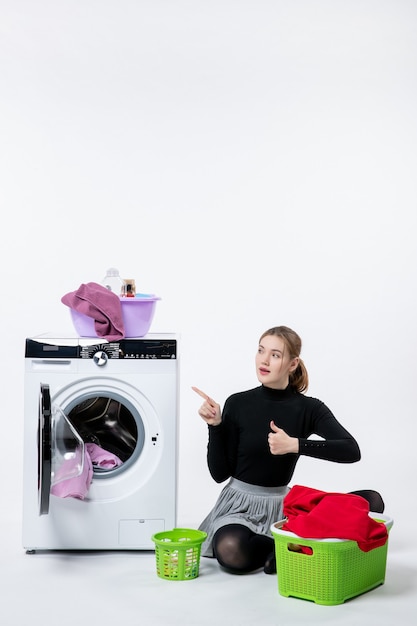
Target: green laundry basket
{"x":177,"y":553}
{"x":327,"y":571}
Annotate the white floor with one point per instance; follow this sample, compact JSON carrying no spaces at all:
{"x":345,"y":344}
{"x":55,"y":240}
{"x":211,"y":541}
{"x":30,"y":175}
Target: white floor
{"x":78,"y":589}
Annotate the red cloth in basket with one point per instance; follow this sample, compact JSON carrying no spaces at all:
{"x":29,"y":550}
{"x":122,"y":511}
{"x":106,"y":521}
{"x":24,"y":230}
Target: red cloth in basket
{"x":316,"y":514}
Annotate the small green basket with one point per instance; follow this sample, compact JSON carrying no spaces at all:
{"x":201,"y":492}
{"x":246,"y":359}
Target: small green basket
{"x":333,"y":570}
{"x":177,"y":553}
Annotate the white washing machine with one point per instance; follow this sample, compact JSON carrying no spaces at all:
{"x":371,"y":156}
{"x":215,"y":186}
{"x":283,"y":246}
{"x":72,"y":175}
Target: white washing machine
{"x":122,"y":397}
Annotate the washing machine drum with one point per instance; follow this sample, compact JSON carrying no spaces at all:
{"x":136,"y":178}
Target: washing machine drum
{"x":107,"y":423}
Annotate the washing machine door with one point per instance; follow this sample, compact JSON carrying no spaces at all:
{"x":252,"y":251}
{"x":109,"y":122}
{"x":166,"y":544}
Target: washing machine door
{"x":61,"y":451}
{"x":44,"y":449}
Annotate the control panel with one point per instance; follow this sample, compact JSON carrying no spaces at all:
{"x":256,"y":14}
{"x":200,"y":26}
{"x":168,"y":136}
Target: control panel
{"x":101,"y":352}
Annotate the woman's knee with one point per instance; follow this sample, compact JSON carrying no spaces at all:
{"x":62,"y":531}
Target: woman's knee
{"x":230,"y":547}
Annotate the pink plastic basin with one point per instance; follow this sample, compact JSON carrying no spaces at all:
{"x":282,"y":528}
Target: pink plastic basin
{"x":137,"y":315}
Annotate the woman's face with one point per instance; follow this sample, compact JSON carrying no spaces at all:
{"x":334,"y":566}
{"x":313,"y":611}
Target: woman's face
{"x":273,"y":363}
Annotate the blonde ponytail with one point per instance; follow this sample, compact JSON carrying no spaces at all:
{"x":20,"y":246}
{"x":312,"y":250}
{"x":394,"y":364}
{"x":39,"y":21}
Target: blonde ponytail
{"x":299,"y":377}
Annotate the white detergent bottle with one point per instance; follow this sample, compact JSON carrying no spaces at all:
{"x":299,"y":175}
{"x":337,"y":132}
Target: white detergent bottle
{"x":113,"y":282}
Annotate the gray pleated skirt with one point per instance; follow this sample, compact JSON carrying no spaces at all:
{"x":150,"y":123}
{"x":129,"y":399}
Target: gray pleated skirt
{"x":252,"y":506}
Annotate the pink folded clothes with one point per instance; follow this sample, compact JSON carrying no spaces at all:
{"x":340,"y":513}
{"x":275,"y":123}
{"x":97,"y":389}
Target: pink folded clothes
{"x":102,"y":458}
{"x":78,"y":486}
{"x":102,"y":305}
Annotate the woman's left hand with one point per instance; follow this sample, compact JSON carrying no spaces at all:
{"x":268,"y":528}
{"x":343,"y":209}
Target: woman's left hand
{"x":281,"y":443}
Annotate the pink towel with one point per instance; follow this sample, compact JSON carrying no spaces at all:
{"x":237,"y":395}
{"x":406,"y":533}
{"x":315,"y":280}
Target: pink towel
{"x":75,"y":487}
{"x":94,"y":456}
{"x":102,"y":458}
{"x":102,"y":305}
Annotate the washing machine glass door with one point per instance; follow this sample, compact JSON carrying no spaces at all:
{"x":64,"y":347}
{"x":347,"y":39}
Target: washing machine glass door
{"x":44,"y":449}
{"x":61,"y":451}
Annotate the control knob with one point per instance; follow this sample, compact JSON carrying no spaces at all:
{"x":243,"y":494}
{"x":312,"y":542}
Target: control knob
{"x":100,"y":358}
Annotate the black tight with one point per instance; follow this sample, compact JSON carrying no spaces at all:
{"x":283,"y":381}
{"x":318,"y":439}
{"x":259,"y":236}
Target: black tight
{"x":376,"y":503}
{"x":239,"y":550}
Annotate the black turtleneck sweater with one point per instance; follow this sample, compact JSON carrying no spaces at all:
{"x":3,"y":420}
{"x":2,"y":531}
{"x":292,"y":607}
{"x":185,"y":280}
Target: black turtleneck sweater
{"x":239,"y":448}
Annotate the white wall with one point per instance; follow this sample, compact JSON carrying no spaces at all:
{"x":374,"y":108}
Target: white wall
{"x":250,"y":161}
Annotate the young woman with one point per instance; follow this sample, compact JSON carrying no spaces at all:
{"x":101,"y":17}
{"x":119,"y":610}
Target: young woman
{"x":255,"y":442}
